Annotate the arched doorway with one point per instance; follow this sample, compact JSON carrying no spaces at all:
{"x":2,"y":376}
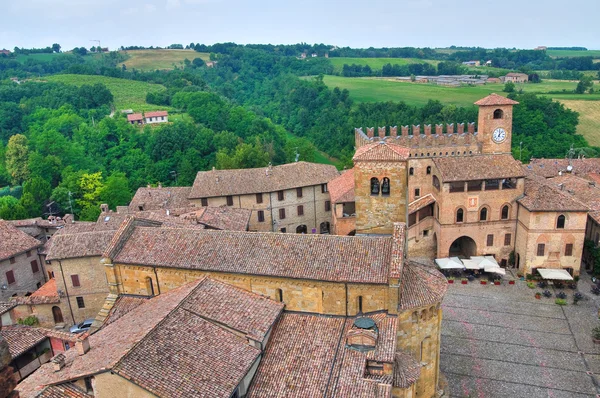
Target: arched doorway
{"x":352,"y":233}
{"x":463,"y":247}
{"x":57,"y":314}
{"x":301,"y":229}
{"x":324,"y":227}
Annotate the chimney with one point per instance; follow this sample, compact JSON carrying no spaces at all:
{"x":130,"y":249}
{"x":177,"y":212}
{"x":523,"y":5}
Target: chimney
{"x":104,"y":208}
{"x":398,"y":250}
{"x":561,"y":186}
{"x":591,"y":184}
{"x":82,"y":345}
{"x":148,"y":186}
{"x":217,"y":179}
{"x":58,"y":362}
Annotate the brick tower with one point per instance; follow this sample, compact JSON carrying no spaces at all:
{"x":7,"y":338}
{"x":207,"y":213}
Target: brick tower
{"x":380,"y":187}
{"x":495,"y":123}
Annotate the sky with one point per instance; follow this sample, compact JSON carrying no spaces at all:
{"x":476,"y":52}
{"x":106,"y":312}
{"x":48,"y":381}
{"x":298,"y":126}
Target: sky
{"x":359,"y":24}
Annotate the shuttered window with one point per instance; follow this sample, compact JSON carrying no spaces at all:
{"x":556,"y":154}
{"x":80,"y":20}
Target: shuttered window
{"x":300,"y":210}
{"x":34,"y":266}
{"x":490,"y":240}
{"x":280,"y":195}
{"x":203,"y":201}
{"x":10,"y":277}
{"x":230,"y":201}
{"x":259,"y":198}
{"x":75,"y":280}
{"x":299,"y":192}
{"x":261,"y":216}
{"x":569,"y":249}
{"x":80,"y":302}
{"x":327,"y":205}
{"x":281,"y":214}
{"x":541,"y":249}
{"x":507,"y":239}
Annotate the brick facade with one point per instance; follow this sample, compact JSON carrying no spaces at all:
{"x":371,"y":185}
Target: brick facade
{"x":25,"y":280}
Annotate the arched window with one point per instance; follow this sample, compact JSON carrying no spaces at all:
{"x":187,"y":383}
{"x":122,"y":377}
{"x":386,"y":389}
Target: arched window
{"x":428,"y":170}
{"x":483,"y":214}
{"x":436,"y":182}
{"x":504,"y":214}
{"x":374,"y":186}
{"x":460,"y":215}
{"x":560,"y":222}
{"x":498,"y":114}
{"x":57,"y":315}
{"x":385,"y":186}
{"x":411,"y":171}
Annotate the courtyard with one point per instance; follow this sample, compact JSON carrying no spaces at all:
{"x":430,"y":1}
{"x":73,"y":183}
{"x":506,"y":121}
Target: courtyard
{"x":500,"y":341}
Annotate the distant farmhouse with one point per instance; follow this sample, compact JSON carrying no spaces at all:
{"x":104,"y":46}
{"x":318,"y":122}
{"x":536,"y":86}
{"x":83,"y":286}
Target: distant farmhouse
{"x":5,"y":51}
{"x":472,"y":63}
{"x":541,"y":48}
{"x":515,"y":78}
{"x":148,"y":118}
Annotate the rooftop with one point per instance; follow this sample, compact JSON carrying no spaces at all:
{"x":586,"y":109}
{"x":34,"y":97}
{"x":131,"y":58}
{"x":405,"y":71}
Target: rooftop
{"x":21,"y":338}
{"x":418,"y":204}
{"x":135,"y":117}
{"x":478,"y":167}
{"x":63,"y":391}
{"x":46,"y":294}
{"x":552,"y":167}
{"x":156,"y":114}
{"x":540,"y":195}
{"x":160,"y":198}
{"x":6,"y":306}
{"x":14,"y":241}
{"x":381,"y":151}
{"x":495,"y":99}
{"x":223,"y":217}
{"x":586,"y":191}
{"x":260,"y":180}
{"x":85,"y":244}
{"x":341,"y":189}
{"x":421,"y":286}
{"x":321,"y":257}
{"x":122,"y":306}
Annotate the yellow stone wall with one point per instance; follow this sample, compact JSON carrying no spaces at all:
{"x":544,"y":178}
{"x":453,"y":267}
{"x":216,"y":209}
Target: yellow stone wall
{"x":486,"y":125}
{"x":108,"y":385}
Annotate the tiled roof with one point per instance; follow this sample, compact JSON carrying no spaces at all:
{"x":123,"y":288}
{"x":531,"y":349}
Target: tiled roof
{"x":66,"y":390}
{"x":495,"y":99}
{"x":406,"y":370}
{"x":160,"y":198}
{"x":321,"y":257}
{"x":307,"y":357}
{"x":122,"y":306}
{"x":552,"y":167}
{"x":381,"y":151}
{"x":21,"y":338}
{"x":6,"y":306}
{"x":420,"y":286}
{"x":39,"y":222}
{"x":586,"y":191}
{"x":13,"y":241}
{"x":181,"y":343}
{"x":59,"y":334}
{"x":341,"y":189}
{"x":478,"y":167}
{"x":543,"y":196}
{"x":46,"y":294}
{"x":85,"y":244}
{"x":113,"y":221}
{"x":156,"y":113}
{"x":420,"y":203}
{"x":134,"y":117}
{"x":261,"y":180}
{"x":223,"y":217}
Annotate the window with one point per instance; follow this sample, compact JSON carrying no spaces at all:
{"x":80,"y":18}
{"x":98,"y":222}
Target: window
{"x":504,"y":213}
{"x":75,"y":280}
{"x":279,"y":295}
{"x":458,"y":186}
{"x":417,"y":192}
{"x":203,"y":202}
{"x":507,"y":239}
{"x":88,"y":382}
{"x":80,"y":302}
{"x":10,"y":277}
{"x":327,"y":205}
{"x":324,"y":188}
{"x":474,"y":185}
{"x":541,"y":249}
{"x":34,"y":266}
{"x":283,"y":230}
{"x":436,"y":182}
{"x":282,"y":214}
{"x":374,"y":186}
{"x":560,"y":222}
{"x":141,"y":208}
{"x":483,"y":214}
{"x":28,"y":253}
{"x":385,"y":186}
{"x":229,"y":200}
{"x":12,"y":260}
{"x":428,"y":170}
{"x":280,"y":195}
{"x":498,"y":114}
{"x":490,"y":240}
{"x":259,"y":198}
{"x":411,"y":171}
{"x":569,"y":249}
{"x":460,"y":215}
{"x":492,"y":185}
{"x":299,"y":192}
{"x":301,"y":210}
{"x":360,"y":302}
{"x":509,"y":183}
{"x":426,"y":232}
{"x":261,"y":216}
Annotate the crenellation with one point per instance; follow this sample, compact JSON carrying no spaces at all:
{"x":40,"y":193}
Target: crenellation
{"x":394,"y":131}
{"x":370,"y":132}
{"x":428,"y":130}
{"x":450,"y":129}
{"x":381,"y":132}
{"x":460,"y":127}
{"x":416,"y":130}
{"x":405,"y":131}
{"x":439,"y":129}
{"x":471,"y":127}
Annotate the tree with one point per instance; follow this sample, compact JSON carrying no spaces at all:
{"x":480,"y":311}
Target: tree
{"x":585,"y":83}
{"x":36,"y":191}
{"x":197,"y":62}
{"x":116,"y":191}
{"x":17,"y":156}
{"x":11,"y":209}
{"x":509,"y":87}
{"x":56,"y":47}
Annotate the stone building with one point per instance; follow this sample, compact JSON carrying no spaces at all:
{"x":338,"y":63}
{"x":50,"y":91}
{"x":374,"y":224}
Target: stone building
{"x":288,"y":198}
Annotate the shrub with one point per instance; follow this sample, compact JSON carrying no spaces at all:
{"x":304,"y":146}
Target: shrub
{"x":29,"y":321}
{"x":560,"y":301}
{"x":596,"y":332}
{"x":531,"y":285}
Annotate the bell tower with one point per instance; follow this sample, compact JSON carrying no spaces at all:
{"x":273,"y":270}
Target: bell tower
{"x":495,"y":123}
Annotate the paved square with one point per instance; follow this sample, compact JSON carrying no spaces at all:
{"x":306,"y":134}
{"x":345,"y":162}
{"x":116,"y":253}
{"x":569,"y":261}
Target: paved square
{"x":500,"y":341}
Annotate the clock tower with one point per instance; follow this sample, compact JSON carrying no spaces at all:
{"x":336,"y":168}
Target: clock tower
{"x":495,"y":123}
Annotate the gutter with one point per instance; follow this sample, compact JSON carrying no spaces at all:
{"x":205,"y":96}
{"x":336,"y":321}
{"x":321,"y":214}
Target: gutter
{"x":66,"y":291}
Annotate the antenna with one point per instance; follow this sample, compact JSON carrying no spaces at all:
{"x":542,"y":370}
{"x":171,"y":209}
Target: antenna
{"x":98,"y":41}
{"x":297,"y":154}
{"x":71,"y":205}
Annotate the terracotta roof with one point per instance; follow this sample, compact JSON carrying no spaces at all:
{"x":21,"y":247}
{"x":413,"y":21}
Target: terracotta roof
{"x":134,"y":117}
{"x":21,"y":338}
{"x":513,"y":74}
{"x":160,"y":198}
{"x":595,"y":177}
{"x":495,"y":99}
{"x":586,"y":191}
{"x":321,"y":257}
{"x":59,"y":334}
{"x":543,"y":196}
{"x":180,"y":343}
{"x":406,"y":370}
{"x":38,"y":222}
{"x":478,"y":167}
{"x":85,"y":244}
{"x":223,"y":217}
{"x":112,"y":220}
{"x":420,"y":286}
{"x":307,"y":356}
{"x":552,"y":167}
{"x":341,"y":189}
{"x":156,"y":114}
{"x":66,"y":390}
{"x":122,"y":306}
{"x":6,"y":306}
{"x":381,"y":151}
{"x":14,"y":241}
{"x":46,"y":294}
{"x":261,"y":180}
{"x":420,"y":203}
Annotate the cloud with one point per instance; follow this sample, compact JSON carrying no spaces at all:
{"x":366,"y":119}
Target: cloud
{"x":171,"y":4}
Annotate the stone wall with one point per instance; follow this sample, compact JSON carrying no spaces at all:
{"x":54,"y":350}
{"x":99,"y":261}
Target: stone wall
{"x":26,"y":281}
{"x":487,"y":124}
{"x":109,"y":385}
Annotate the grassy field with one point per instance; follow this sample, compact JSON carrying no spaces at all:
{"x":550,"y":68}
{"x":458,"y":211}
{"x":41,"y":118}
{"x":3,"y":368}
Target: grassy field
{"x":160,"y":59}
{"x":589,"y":119}
{"x":128,"y":94}
{"x":573,"y":53}
{"x":376,"y":63}
{"x":38,"y":57}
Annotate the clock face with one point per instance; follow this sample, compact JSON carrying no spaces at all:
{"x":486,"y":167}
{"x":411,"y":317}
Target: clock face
{"x":499,"y":135}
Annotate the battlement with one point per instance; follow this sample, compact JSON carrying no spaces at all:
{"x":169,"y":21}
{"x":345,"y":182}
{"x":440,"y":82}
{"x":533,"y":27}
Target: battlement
{"x":426,"y":143}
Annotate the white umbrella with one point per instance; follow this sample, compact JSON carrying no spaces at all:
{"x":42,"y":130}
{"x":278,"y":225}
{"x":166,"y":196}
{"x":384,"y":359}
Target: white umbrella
{"x":472,"y":264}
{"x":449,"y":263}
{"x":556,"y":274}
{"x":496,"y":270}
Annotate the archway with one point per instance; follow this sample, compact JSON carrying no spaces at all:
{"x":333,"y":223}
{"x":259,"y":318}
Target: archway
{"x":301,"y":229}
{"x":463,"y":247}
{"x":57,"y":314}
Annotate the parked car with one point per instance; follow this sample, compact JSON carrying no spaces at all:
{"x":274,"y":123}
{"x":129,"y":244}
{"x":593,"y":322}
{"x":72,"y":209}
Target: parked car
{"x":82,"y":327}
